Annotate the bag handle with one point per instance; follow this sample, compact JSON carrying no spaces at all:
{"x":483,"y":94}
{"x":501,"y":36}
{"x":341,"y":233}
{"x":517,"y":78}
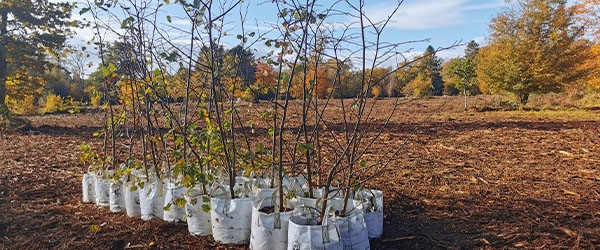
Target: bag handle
{"x":329,"y":214}
{"x":293,"y":186}
{"x":216,"y":186}
{"x":371,"y":199}
{"x":276,"y":213}
{"x":325,"y":224}
{"x":225,"y":202}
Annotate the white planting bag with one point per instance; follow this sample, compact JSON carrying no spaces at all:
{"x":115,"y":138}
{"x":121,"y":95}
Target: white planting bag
{"x":373,"y":206}
{"x":352,"y":226}
{"x":174,"y":208}
{"x":295,"y":185}
{"x":259,"y":183}
{"x":198,"y":217}
{"x":102,"y":190}
{"x":334,"y":192}
{"x":231,"y":220}
{"x":305,"y":234}
{"x":116,"y":197}
{"x":297,"y":180}
{"x":152,"y":199}
{"x":269,"y":231}
{"x":132,"y":199}
{"x":262,"y":193}
{"x":305,"y":201}
{"x":88,"y":183}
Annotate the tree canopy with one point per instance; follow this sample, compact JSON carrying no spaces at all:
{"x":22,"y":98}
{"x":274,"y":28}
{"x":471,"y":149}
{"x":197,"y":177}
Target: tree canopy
{"x":464,"y":69}
{"x":428,"y":78}
{"x":30,"y":33}
{"x":534,"y":48}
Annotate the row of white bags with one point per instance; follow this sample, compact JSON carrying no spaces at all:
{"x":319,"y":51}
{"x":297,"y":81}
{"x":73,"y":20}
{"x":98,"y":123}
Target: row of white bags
{"x":241,"y":221}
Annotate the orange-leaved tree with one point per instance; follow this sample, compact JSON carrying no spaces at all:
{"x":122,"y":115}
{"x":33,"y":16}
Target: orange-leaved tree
{"x":588,"y":14}
{"x":266,"y":80}
{"x":315,"y":83}
{"x":535,"y":47}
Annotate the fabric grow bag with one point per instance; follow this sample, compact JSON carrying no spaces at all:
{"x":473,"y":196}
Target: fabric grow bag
{"x":269,"y":231}
{"x":352,"y":226}
{"x":132,"y":199}
{"x":116,"y":197}
{"x":152,"y":199}
{"x":372,"y":201}
{"x":231,"y":220}
{"x":174,"y":196}
{"x":102,"y":190}
{"x":305,"y":201}
{"x":88,"y":183}
{"x":305,"y":234}
{"x":198,"y":220}
{"x":334,"y":192}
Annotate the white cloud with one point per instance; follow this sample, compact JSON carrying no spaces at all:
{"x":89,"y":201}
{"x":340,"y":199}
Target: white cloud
{"x":421,"y":15}
{"x":491,"y":5}
{"x":481,"y":40}
{"x":429,"y":14}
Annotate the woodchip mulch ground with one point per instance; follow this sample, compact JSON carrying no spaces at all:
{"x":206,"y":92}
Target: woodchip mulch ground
{"x":464,"y":180}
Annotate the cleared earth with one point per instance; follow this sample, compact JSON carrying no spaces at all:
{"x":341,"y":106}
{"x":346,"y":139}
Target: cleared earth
{"x":464,"y":180}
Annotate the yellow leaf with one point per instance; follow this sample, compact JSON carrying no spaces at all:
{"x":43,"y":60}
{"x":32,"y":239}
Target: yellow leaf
{"x":568,"y":232}
{"x":569,"y":192}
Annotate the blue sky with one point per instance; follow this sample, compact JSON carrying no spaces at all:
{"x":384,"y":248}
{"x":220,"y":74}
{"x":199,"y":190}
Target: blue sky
{"x":444,"y":22}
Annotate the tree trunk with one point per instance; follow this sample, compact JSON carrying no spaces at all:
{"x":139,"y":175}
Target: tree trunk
{"x":3,"y":64}
{"x":523,"y":97}
{"x":465,"y":94}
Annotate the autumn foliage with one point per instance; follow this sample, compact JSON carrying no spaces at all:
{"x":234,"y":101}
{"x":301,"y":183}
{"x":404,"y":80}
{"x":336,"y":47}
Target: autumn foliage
{"x":314,"y":83}
{"x":534,"y":47}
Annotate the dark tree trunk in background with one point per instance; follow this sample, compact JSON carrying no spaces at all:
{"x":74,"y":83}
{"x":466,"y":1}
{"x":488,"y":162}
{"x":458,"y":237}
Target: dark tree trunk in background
{"x":3,"y":64}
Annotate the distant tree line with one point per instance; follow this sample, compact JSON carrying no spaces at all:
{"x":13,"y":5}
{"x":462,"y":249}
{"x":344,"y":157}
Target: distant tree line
{"x":534,"y":47}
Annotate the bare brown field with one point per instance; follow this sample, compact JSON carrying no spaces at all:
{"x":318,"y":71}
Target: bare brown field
{"x":464,"y":180}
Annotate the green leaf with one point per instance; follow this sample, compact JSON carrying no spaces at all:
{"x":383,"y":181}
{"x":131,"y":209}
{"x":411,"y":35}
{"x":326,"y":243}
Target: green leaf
{"x":363,"y":163}
{"x":112,"y":68}
{"x":168,"y":17}
{"x":126,"y":22}
{"x":83,"y":11}
{"x":180,"y":202}
{"x":205,"y":208}
{"x":304,"y":147}
{"x":167,"y":207}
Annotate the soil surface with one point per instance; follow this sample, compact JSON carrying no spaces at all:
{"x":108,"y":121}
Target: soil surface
{"x":463,"y":180}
